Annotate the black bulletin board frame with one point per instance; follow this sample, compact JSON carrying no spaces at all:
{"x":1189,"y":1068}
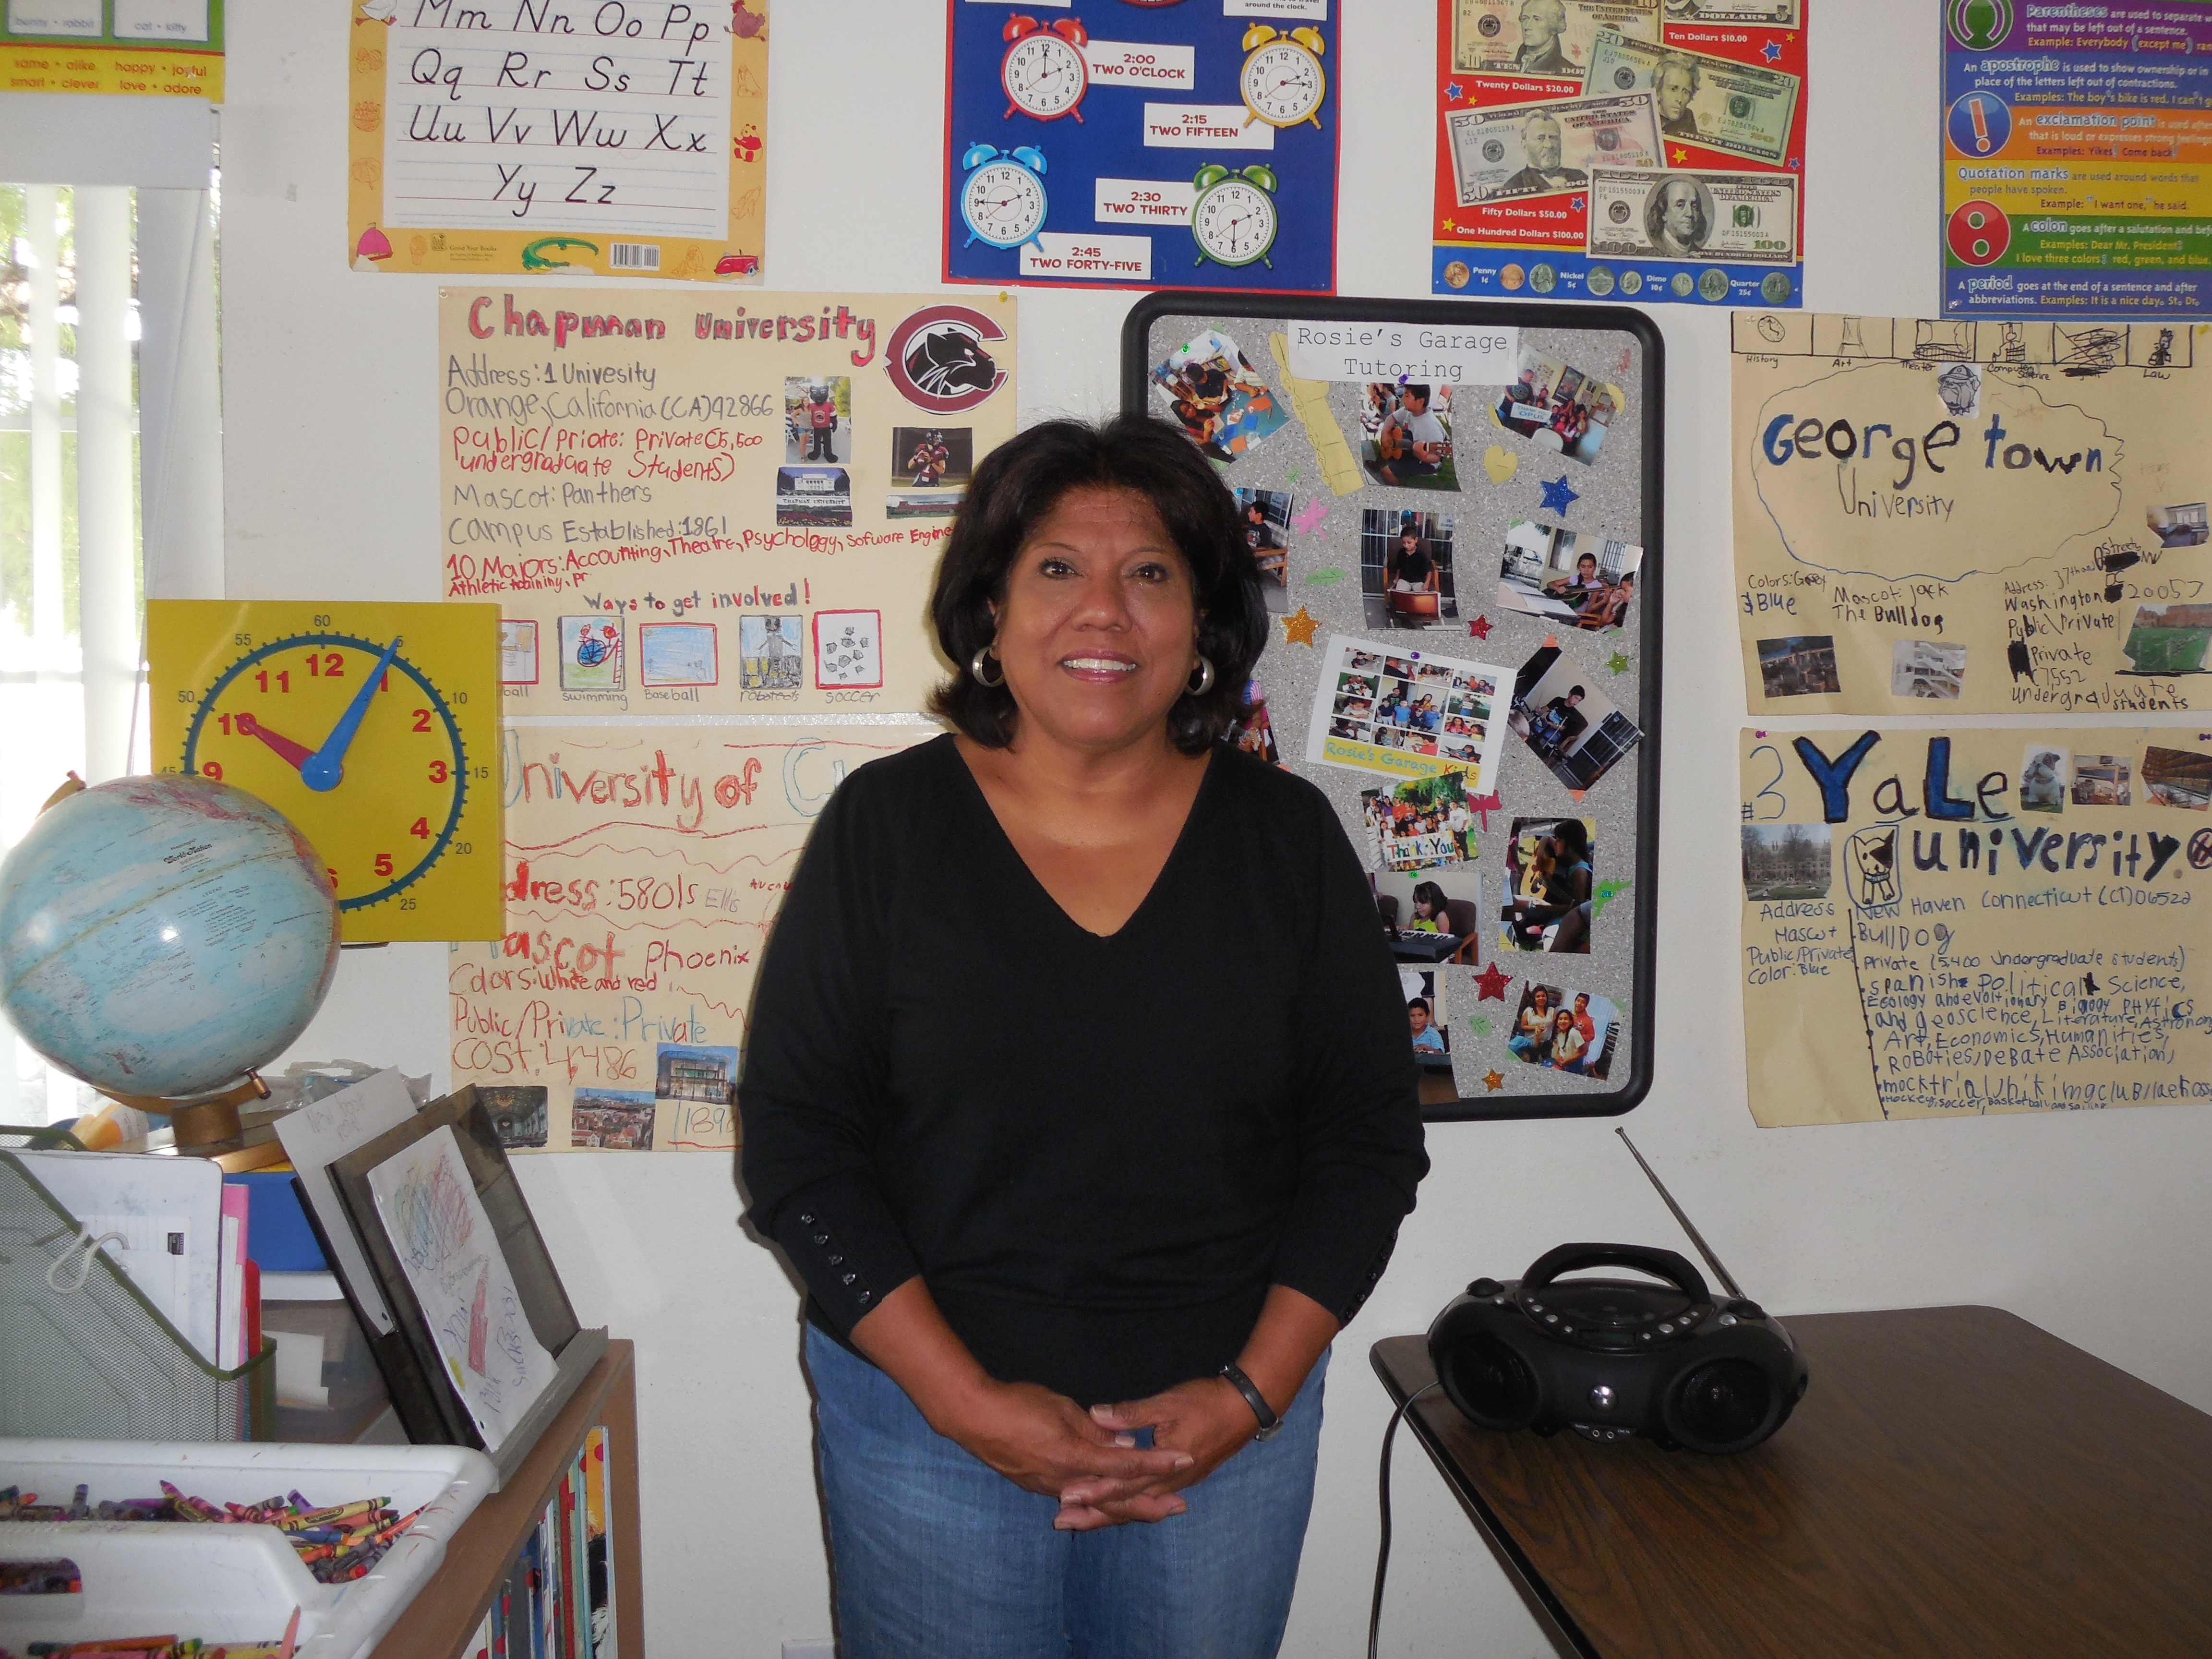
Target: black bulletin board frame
{"x":1159,"y":320}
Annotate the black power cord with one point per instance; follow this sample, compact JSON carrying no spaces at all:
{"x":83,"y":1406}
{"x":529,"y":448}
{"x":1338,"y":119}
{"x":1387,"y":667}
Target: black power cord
{"x":1382,"y":1551}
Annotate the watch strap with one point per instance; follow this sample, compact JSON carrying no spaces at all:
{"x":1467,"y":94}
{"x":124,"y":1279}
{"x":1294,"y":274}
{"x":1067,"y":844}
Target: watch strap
{"x":1269,"y":1422}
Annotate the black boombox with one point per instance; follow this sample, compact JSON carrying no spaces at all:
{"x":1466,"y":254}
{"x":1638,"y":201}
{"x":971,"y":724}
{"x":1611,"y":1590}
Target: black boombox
{"x":1615,"y":1357}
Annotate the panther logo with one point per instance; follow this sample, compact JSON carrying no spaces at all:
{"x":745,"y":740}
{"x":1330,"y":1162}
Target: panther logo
{"x":938,"y":358}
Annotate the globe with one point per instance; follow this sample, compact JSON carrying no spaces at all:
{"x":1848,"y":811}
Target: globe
{"x":162,"y":936}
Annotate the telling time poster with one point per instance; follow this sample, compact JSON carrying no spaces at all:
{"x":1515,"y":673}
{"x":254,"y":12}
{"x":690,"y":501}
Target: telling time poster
{"x":1639,"y":149}
{"x":1120,"y":144}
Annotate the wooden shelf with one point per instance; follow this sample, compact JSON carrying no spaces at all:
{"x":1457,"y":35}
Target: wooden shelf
{"x":440,"y":1623}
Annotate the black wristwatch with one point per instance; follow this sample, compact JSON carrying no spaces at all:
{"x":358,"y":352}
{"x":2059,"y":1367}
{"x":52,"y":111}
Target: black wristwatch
{"x":1269,"y":1423}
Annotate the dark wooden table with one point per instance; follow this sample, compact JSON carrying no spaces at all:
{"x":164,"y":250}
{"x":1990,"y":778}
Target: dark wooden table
{"x":1958,"y":1483}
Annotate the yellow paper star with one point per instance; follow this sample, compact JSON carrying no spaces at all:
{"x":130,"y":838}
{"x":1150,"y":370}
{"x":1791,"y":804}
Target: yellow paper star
{"x":1493,"y":1080}
{"x":1298,"y":627}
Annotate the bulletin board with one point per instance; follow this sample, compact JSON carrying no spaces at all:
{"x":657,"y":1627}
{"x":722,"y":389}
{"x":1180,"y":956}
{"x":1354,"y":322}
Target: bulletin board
{"x":1455,"y":659}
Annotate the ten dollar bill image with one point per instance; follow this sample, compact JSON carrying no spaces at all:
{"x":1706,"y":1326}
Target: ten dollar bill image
{"x":1746,"y":216}
{"x":1525,"y":149}
{"x":1487,"y":37}
{"x":1777,"y":14}
{"x":1707,"y":101}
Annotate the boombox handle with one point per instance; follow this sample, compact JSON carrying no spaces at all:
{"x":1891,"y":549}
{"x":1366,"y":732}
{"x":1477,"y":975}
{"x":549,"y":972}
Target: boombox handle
{"x":1676,"y":1269}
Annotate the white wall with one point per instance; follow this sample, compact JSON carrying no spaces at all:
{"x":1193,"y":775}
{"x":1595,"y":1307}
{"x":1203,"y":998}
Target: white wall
{"x":2091,"y":1226}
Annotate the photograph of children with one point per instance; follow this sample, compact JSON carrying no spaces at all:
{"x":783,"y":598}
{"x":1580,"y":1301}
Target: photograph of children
{"x":616,"y":1120}
{"x":1266,"y":518}
{"x":815,"y":411}
{"x":1573,"y":1033}
{"x":2043,"y":778}
{"x":1431,"y":915}
{"x":1798,"y":665}
{"x":1212,"y":388}
{"x":1923,"y":668}
{"x":1561,"y":408}
{"x":1405,"y":577}
{"x":2102,"y":780}
{"x":1550,"y":873}
{"x":2177,"y":777}
{"x":1420,"y":822}
{"x":1405,"y":714}
{"x":1575,"y":579}
{"x":1567,"y":723}
{"x":1408,"y":438}
{"x":1253,"y":733}
{"x":1787,"y":861}
{"x":517,"y":1112}
{"x":1425,"y":1015}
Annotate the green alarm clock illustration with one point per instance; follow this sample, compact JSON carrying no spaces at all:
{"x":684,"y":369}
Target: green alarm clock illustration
{"x":1003,"y":200}
{"x":1233,"y":219}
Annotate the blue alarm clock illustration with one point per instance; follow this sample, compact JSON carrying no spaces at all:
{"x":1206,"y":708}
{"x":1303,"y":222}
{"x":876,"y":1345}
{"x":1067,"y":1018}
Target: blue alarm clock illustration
{"x":1003,"y":200}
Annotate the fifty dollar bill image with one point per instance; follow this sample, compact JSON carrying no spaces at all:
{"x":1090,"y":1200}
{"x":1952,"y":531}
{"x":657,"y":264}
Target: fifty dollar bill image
{"x":1502,"y":152}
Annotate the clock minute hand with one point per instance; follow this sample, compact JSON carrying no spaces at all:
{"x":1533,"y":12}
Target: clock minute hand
{"x":326,"y":768}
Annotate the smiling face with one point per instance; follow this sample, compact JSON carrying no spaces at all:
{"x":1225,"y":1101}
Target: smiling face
{"x":1097,"y":627}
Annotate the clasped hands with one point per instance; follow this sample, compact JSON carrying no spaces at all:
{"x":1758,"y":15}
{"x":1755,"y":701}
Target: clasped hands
{"x":1045,"y":1442}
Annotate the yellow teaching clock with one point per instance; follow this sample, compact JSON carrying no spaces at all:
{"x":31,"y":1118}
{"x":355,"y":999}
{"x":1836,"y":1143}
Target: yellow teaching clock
{"x":374,"y":727}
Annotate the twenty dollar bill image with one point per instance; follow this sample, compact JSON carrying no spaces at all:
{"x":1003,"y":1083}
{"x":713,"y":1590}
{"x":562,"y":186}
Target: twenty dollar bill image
{"x":1489,"y":36}
{"x":1750,"y":217}
{"x":1525,"y":149}
{"x":1706,"y":100}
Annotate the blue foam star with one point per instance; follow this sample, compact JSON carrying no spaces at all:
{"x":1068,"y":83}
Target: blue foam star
{"x":1454,"y":92}
{"x":1773,"y":52}
{"x":1579,"y":204}
{"x":1558,"y":497}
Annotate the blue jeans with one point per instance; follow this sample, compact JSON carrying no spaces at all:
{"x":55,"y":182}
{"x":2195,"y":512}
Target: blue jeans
{"x":935,"y":1553}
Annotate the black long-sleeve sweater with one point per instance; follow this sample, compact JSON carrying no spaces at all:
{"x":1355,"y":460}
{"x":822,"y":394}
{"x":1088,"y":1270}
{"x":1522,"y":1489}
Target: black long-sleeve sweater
{"x":1098,"y":1153}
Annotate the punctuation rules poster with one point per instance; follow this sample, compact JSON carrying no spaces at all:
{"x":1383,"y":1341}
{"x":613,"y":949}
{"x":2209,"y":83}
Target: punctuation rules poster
{"x":617,"y":139}
{"x":1944,"y":924}
{"x":687,"y":502}
{"x":1125,"y":144}
{"x":1652,"y":150}
{"x":1965,"y":516}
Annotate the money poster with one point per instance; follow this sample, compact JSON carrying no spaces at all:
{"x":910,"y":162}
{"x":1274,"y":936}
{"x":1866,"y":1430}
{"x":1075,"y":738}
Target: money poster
{"x":1992,"y":517}
{"x":1947,"y":923}
{"x":688,"y":504}
{"x":1639,"y":149}
{"x":645,"y":865}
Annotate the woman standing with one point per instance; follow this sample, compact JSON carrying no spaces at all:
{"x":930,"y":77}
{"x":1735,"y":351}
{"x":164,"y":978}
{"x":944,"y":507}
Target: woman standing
{"x":1073,"y":1262}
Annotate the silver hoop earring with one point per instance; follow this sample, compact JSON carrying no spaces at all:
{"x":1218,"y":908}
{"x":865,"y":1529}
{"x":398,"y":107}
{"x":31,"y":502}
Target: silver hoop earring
{"x":1205,"y":677}
{"x":983,"y":655}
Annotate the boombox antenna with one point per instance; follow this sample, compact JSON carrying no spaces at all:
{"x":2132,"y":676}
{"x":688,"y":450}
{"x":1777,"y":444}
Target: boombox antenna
{"x":1696,"y":1237}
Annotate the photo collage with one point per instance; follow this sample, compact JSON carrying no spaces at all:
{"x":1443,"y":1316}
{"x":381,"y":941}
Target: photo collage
{"x":604,"y":652}
{"x":1406,"y":714}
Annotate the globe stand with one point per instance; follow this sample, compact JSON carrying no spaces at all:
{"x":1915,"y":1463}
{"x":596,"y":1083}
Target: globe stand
{"x":209,"y":1126}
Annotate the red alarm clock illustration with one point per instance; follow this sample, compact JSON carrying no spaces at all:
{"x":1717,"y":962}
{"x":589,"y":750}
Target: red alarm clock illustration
{"x":1044,"y":73}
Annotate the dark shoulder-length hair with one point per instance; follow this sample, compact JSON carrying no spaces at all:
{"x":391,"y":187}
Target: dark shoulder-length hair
{"x":1012,"y":490}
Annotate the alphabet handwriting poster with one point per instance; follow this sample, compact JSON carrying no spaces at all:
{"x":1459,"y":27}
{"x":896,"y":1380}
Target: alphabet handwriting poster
{"x":1940,"y":924}
{"x":717,"y":507}
{"x":608,"y":137}
{"x":645,"y":866}
{"x":2074,"y":150}
{"x":1652,"y":150}
{"x":1094,"y":142}
{"x":1971,"y":517}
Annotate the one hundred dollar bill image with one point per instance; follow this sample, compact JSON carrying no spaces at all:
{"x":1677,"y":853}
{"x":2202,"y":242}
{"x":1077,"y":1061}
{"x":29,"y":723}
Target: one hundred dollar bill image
{"x":1747,"y":217}
{"x":1542,"y":37}
{"x":1526,"y":149}
{"x":1708,"y":101}
{"x":1775,"y":13}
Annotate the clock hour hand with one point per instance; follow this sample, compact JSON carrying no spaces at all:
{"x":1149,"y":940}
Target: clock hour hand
{"x":326,"y":768}
{"x":294,"y":754}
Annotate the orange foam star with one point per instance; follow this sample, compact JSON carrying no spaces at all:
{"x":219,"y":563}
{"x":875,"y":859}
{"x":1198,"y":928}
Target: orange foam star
{"x":1298,"y":627}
